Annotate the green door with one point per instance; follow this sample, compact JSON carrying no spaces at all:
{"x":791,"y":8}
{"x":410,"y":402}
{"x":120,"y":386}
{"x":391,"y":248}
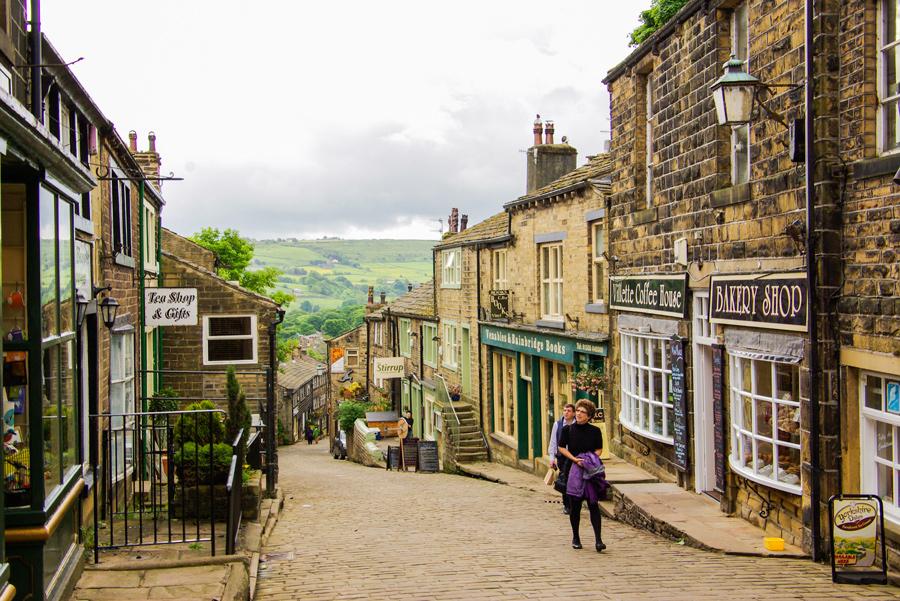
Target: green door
{"x":466,"y":363}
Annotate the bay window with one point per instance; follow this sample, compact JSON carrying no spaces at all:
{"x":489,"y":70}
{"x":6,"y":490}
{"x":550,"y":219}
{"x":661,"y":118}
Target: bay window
{"x":880,"y":439}
{"x":646,"y":406}
{"x":552,"y":282}
{"x":765,"y":421}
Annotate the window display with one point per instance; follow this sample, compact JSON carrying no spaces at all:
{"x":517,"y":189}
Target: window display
{"x":880,"y":446}
{"x":646,"y":406}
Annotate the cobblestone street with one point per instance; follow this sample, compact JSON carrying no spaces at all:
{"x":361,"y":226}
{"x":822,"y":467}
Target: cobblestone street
{"x":351,"y":532}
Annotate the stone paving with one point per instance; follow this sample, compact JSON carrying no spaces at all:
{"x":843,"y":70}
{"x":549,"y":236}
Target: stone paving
{"x":352,"y":532}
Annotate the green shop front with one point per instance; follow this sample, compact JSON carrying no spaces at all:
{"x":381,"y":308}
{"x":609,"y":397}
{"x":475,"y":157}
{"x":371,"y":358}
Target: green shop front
{"x":531,"y":376}
{"x":43,"y":461}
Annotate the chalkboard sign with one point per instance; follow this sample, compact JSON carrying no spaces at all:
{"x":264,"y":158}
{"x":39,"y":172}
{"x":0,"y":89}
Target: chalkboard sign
{"x":428,"y":456}
{"x":679,"y":401}
{"x":718,"y":398}
{"x":410,"y":453}
{"x":393,"y":458}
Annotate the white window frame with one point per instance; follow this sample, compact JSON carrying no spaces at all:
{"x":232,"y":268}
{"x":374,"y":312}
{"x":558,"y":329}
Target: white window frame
{"x":552,"y":285}
{"x":378,"y":333}
{"x":149,"y":233}
{"x":640,"y":401}
{"x":404,"y":326}
{"x":450,"y":345}
{"x":354,"y":353}
{"x":499,"y":269}
{"x":598,"y":261}
{"x":252,"y":335}
{"x":6,"y":80}
{"x":740,"y":134}
{"x":451,"y":268}
{"x":429,"y":344}
{"x":504,"y":394}
{"x":740,"y":434}
{"x":887,"y":99}
{"x":870,"y":439}
{"x":121,"y":401}
{"x":648,"y":132}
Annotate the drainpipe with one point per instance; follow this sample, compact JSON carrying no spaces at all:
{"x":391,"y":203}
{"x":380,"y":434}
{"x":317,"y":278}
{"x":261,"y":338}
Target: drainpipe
{"x":478,"y":332}
{"x":141,"y":316}
{"x":159,"y":331}
{"x":368,"y":357}
{"x":812,"y":285}
{"x":37,"y":98}
{"x":272,"y":425}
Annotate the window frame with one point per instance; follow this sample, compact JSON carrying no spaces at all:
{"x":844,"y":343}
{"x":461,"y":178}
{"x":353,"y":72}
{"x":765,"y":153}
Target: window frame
{"x":378,"y":333}
{"x":740,"y":173}
{"x":451,"y":275}
{"x":554,"y":282}
{"x":868,"y":457}
{"x":149,"y":235}
{"x":887,"y":102}
{"x":504,"y":372}
{"x":632,"y":383}
{"x":351,"y":352}
{"x":499,"y":269}
{"x":429,"y":344}
{"x":404,"y":326}
{"x":122,"y":377}
{"x":648,"y":139}
{"x":252,"y":336}
{"x":120,"y":198}
{"x":450,"y":344}
{"x":598,"y":261}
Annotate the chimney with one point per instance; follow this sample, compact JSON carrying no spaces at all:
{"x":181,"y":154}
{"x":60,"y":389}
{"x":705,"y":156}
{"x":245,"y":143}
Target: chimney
{"x":371,"y":295}
{"x":548,"y":162}
{"x":152,"y":139}
{"x":409,"y":287}
{"x":382,"y":293}
{"x":132,"y":141}
{"x":149,"y":160}
{"x":463,"y":222}
{"x":453,"y":222}
{"x":538,"y":131}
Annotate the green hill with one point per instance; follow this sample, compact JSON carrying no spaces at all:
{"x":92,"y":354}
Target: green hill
{"x":329,"y":273}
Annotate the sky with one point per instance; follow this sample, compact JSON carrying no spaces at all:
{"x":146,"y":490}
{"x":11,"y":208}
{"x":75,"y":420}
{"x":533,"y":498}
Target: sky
{"x":358,"y":119}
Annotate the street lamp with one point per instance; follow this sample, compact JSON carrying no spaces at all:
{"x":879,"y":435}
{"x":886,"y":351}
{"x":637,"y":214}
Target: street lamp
{"x":108,"y":309}
{"x":81,"y":305}
{"x":734,"y":94}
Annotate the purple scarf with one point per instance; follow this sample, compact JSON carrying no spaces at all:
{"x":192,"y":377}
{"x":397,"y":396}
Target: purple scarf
{"x":587,"y":480}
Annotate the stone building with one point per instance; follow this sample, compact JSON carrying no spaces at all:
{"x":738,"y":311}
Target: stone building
{"x":302,"y":390}
{"x":708,"y":282}
{"x":347,"y":360}
{"x":544,"y":315}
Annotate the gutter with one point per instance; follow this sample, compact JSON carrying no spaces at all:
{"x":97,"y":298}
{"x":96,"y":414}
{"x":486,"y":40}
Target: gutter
{"x":546,"y":195}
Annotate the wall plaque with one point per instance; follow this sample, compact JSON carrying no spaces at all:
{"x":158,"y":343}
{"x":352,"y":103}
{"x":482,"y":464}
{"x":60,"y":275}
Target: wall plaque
{"x":778,"y":300}
{"x":655,"y":294}
{"x":678,"y":398}
{"x":499,"y":304}
{"x":170,"y":306}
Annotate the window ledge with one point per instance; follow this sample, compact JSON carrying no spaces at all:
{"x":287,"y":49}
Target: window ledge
{"x":505,"y":440}
{"x":876,"y":167}
{"x":450,"y":367}
{"x":794,"y":489}
{"x":124,"y":260}
{"x":555,"y":324}
{"x":451,"y":286}
{"x":730,"y":196}
{"x":602,"y":308}
{"x":644,"y":433}
{"x":84,"y":225}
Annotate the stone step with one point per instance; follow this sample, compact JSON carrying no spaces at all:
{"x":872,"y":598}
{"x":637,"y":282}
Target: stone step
{"x":470,"y":457}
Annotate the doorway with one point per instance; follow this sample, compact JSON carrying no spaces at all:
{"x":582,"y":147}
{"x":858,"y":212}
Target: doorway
{"x":704,"y":424}
{"x":465,"y":366}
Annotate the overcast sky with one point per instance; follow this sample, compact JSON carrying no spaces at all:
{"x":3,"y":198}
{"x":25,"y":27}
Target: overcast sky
{"x":349,"y":118}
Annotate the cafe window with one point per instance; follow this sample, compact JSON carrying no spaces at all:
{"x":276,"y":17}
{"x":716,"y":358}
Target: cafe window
{"x":552,"y":282}
{"x":504,"y":393}
{"x":498,"y":260}
{"x":880,"y":439}
{"x":888,"y":129}
{"x":229,"y":339}
{"x":450,"y":346}
{"x":598,"y":262}
{"x":451,"y":270}
{"x":429,"y":344}
{"x":765,"y":421}
{"x":646,"y":407}
{"x":404,"y":325}
{"x":121,"y":401}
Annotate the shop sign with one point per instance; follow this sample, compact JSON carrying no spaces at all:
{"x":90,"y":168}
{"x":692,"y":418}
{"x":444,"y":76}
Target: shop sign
{"x":855,"y":521}
{"x":655,"y":294}
{"x":678,"y":398}
{"x":389,"y":367}
{"x":778,"y":300}
{"x":170,"y":306}
{"x":499,"y":304}
{"x":547,"y":346}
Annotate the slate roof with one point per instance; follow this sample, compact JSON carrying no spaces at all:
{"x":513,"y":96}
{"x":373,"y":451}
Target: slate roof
{"x":296,"y":373}
{"x":419,"y":302}
{"x":594,"y":171}
{"x":495,"y":226}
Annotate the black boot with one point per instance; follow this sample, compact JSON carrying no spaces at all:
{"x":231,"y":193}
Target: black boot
{"x":599,"y":546}
{"x":576,"y":543}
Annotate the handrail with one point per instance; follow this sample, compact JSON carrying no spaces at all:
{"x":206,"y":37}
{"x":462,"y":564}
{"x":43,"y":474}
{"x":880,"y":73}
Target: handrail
{"x":447,"y":390}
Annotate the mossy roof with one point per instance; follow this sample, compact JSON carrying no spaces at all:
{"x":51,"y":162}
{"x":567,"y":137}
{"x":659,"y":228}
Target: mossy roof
{"x":419,"y":302}
{"x":495,"y":226}
{"x":295,"y":373}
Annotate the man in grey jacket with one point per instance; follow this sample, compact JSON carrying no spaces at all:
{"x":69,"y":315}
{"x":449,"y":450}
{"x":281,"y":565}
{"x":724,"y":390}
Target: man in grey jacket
{"x":557,"y":460}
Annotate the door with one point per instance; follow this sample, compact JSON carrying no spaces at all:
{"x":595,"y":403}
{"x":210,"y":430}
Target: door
{"x":465,"y":365}
{"x":704,"y":437}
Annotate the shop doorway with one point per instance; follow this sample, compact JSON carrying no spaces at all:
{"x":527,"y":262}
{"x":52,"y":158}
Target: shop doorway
{"x":704,"y":425}
{"x":465,"y":367}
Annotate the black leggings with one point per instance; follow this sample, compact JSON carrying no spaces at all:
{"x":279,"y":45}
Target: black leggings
{"x":575,"y":516}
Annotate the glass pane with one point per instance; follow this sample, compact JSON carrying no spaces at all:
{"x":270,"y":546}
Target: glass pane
{"x":884,"y":441}
{"x":789,"y":466}
{"x":744,"y":367}
{"x":885,"y":482}
{"x":746,"y":451}
{"x":873,"y":393}
{"x":890,"y":22}
{"x":891,"y":125}
{"x":68,"y":401}
{"x":789,"y":423}
{"x":763,"y":379}
{"x":657,"y":391}
{"x":51,"y":419}
{"x":66,"y":284}
{"x":747,"y":410}
{"x":764,"y":459}
{"x":229,"y":326}
{"x":657,"y":420}
{"x":787,"y":380}
{"x":764,"y":419}
{"x":49,"y":286}
{"x":670,"y":419}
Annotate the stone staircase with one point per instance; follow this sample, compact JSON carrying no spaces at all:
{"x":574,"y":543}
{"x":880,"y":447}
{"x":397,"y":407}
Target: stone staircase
{"x":471,"y":445}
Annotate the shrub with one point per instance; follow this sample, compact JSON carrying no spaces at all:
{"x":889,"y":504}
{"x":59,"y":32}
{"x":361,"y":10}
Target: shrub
{"x":194,"y":465}
{"x":348,"y":413}
{"x":238,"y":413}
{"x":202,"y":428}
{"x":165,"y":399}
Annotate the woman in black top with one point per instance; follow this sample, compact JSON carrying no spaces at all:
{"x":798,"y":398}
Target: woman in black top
{"x":582,"y":437}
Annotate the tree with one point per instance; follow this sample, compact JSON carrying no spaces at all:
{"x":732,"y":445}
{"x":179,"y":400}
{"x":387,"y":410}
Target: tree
{"x":333,"y":327}
{"x":238,"y":413}
{"x":653,"y":18}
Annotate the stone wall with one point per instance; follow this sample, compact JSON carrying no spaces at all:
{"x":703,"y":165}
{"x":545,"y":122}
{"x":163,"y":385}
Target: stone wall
{"x":188,"y":250}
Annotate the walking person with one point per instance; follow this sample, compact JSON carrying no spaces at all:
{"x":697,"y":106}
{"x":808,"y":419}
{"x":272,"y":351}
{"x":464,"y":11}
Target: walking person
{"x":582,"y":444}
{"x":557,"y":460}
{"x":309,"y":434}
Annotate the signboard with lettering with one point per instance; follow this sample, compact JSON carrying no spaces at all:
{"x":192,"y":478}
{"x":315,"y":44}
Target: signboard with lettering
{"x":428,"y":456}
{"x":170,"y":306}
{"x":779,"y":300}
{"x":678,"y":398}
{"x":389,"y":367}
{"x":655,"y":294}
{"x":499,"y":304}
{"x":718,"y":404}
{"x":856,"y":521}
{"x":547,"y":346}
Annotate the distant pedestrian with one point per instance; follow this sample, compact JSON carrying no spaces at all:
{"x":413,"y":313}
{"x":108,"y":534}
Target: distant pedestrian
{"x":407,"y":417}
{"x":582,"y":444}
{"x":557,"y":460}
{"x":309,"y":435}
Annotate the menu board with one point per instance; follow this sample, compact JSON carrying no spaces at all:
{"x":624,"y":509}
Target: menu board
{"x":679,"y":401}
{"x":428,"y":456}
{"x":393,"y":458}
{"x":718,"y":403}
{"x":410,"y":453}
{"x":856,"y":521}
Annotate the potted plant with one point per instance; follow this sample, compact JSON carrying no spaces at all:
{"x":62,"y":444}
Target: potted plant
{"x":455,"y":392}
{"x":589,"y":380}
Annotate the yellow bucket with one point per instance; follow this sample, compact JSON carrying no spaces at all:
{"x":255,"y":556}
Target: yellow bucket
{"x":773,"y":543}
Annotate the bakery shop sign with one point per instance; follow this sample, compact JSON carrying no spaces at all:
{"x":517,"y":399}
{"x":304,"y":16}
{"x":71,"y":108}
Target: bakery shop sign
{"x":778,"y":300}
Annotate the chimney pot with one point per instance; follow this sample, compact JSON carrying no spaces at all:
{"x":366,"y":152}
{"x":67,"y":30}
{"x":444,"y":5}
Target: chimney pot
{"x":132,"y":141}
{"x":409,"y":287}
{"x":453,"y":222}
{"x":548,"y":132}
{"x":463,"y":222}
{"x":152,"y":138}
{"x":538,"y":130}
{"x":382,"y":293}
{"x":371,"y":295}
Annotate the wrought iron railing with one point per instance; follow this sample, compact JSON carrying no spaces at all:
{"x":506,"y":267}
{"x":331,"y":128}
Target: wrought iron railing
{"x":452,"y":425}
{"x":255,"y":451}
{"x":234,"y":489}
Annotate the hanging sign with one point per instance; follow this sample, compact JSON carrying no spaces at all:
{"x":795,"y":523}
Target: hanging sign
{"x":678,"y":398}
{"x":778,"y":300}
{"x":499,"y":304}
{"x":655,"y":294}
{"x":170,"y":306}
{"x":389,"y":367}
{"x":856,"y":521}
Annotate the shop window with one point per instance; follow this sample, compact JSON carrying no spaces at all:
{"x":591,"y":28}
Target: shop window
{"x":556,"y":391}
{"x":765,"y":421}
{"x":429,"y":344}
{"x":450,"y":346}
{"x":404,"y":325}
{"x":740,"y":135}
{"x":504,"y":393}
{"x":352,"y":355}
{"x":121,"y":401}
{"x":121,"y":213}
{"x":646,"y":406}
{"x":498,"y":260}
{"x":12,"y":221}
{"x":229,"y":339}
{"x":880,"y":439}
{"x":451,"y":270}
{"x":888,"y":77}
{"x":598,"y":262}
{"x":552,"y":282}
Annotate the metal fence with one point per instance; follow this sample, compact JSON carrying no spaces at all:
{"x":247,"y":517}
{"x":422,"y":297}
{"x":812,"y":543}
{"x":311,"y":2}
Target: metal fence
{"x":234,"y":488}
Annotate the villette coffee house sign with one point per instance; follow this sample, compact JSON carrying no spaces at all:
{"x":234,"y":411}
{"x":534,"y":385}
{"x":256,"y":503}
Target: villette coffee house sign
{"x":777,"y":300}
